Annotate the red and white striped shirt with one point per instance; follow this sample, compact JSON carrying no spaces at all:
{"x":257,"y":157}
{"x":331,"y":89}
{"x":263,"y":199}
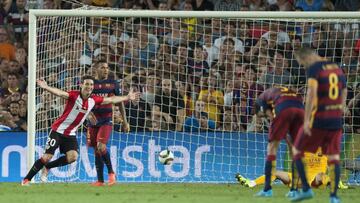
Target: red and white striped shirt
{"x":75,"y":113}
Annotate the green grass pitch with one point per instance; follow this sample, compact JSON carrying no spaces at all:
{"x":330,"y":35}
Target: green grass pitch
{"x":152,"y":192}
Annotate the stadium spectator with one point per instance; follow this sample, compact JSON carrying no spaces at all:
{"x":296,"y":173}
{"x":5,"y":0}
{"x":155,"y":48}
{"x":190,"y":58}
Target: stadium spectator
{"x":11,"y":90}
{"x":226,"y":59}
{"x":211,"y":51}
{"x":347,"y":5}
{"x":21,"y":58}
{"x":23,"y":110}
{"x":230,"y":123}
{"x":229,"y":93}
{"x":245,"y":97}
{"x":138,"y":112}
{"x":49,"y":107}
{"x":5,"y":6}
{"x":310,"y":5}
{"x":177,"y":35}
{"x":255,"y":5}
{"x":230,"y":33}
{"x":178,"y":66}
{"x":164,"y":53}
{"x":244,"y":36}
{"x":349,"y":61}
{"x":118,"y":33}
{"x":117,"y":119}
{"x":213,"y":98}
{"x":276,"y":32}
{"x":14,"y":109}
{"x":7,"y":50}
{"x":197,"y":66}
{"x":145,"y":48}
{"x":149,"y":90}
{"x":199,"y":121}
{"x":228,"y":5}
{"x":202,"y":5}
{"x":158,"y":122}
{"x":278,"y":73}
{"x":4,"y":69}
{"x":169,"y":105}
{"x":284,"y":5}
{"x":6,"y":122}
{"x":216,"y":30}
{"x":188,"y":97}
{"x":18,"y":17}
{"x":353,"y":110}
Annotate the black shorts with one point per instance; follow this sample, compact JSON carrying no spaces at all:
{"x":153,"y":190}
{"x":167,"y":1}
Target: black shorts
{"x":55,"y":140}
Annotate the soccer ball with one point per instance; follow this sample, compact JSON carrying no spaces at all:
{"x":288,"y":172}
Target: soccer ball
{"x":166,"y":157}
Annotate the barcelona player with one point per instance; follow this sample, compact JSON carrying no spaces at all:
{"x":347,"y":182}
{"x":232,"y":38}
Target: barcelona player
{"x":100,"y":127}
{"x":285,"y":109}
{"x":325,"y":101}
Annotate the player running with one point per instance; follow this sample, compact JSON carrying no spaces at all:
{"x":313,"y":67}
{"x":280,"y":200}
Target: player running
{"x":63,"y":130}
{"x":285,"y":109}
{"x":325,"y":101}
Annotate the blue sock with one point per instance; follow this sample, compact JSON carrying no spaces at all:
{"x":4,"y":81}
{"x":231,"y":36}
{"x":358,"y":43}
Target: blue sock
{"x":269,"y":166}
{"x":334,"y":169}
{"x":301,"y":171}
{"x":99,"y":164}
{"x":293,"y":178}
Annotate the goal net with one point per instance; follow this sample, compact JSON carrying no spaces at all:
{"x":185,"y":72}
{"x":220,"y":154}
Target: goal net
{"x":199,"y":74}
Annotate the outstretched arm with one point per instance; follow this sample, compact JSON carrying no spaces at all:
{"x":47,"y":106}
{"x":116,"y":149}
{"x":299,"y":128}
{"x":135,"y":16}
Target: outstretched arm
{"x":52,"y":90}
{"x":133,"y":96}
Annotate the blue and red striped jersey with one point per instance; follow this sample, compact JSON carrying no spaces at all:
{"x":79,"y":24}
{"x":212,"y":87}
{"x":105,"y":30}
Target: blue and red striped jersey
{"x":279,"y":98}
{"x":105,"y":88}
{"x":331,"y":83}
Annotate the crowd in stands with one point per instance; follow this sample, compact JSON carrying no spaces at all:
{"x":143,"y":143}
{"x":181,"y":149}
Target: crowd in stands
{"x":194,"y":74}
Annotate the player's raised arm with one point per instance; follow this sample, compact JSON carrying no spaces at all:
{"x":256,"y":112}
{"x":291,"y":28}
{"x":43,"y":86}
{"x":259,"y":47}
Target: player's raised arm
{"x":58,"y":92}
{"x":133,"y":96}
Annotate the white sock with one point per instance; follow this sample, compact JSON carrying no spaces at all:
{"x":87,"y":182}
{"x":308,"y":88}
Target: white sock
{"x":252,"y":183}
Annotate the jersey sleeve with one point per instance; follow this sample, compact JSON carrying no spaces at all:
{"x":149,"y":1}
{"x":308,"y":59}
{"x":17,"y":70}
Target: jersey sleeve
{"x":98,"y":100}
{"x":342,"y":79}
{"x":73,"y":95}
{"x":312,"y":72}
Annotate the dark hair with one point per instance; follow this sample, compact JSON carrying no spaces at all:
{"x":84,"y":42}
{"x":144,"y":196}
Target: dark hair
{"x":298,"y":8}
{"x":273,"y":7}
{"x":298,"y":37}
{"x":204,"y":114}
{"x":13,"y":74}
{"x":14,"y":102}
{"x":87,"y":77}
{"x":228,"y":39}
{"x":98,"y":62}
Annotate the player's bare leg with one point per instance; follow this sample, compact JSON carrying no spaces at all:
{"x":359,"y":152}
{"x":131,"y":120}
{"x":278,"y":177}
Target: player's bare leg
{"x":70,"y":157}
{"x":270,"y":167}
{"x":37,"y":166}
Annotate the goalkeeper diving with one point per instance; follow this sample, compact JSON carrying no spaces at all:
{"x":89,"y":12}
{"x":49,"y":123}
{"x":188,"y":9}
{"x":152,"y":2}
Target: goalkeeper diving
{"x":316,"y":174}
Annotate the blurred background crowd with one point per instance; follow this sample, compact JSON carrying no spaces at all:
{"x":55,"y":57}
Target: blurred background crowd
{"x":194,"y":74}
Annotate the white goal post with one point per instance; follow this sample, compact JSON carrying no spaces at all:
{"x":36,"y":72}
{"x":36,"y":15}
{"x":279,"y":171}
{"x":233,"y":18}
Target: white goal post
{"x":251,"y":16}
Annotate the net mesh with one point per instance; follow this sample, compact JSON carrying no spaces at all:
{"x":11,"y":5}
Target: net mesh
{"x":199,"y":79}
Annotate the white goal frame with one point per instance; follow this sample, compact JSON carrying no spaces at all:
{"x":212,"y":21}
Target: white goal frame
{"x":33,"y":14}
